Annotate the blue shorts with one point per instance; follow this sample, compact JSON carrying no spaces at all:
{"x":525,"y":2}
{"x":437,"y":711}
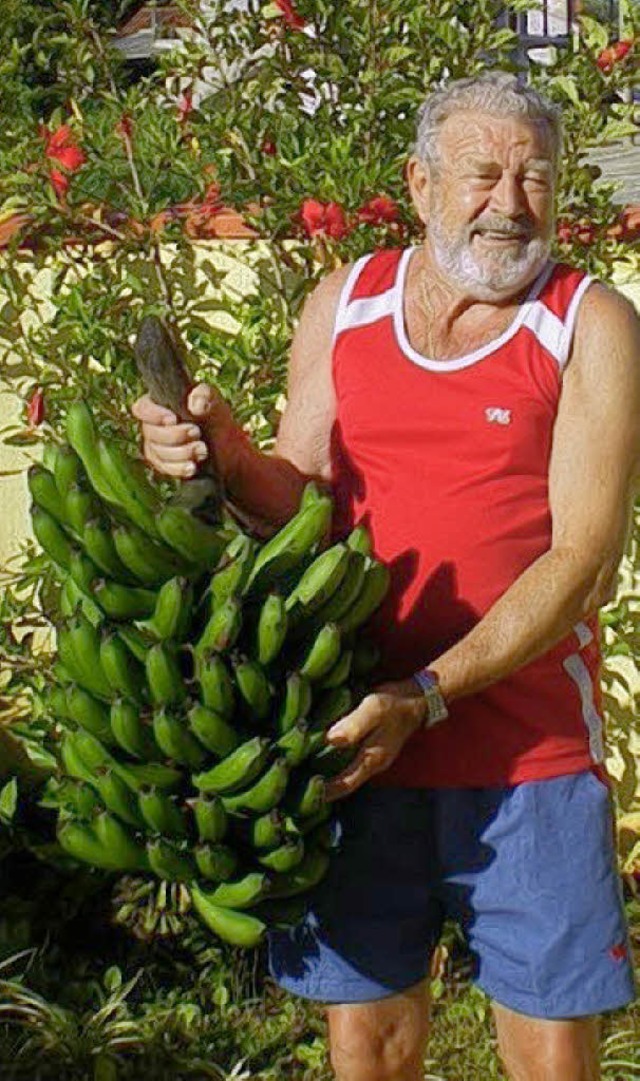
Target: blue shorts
{"x":528,"y":871}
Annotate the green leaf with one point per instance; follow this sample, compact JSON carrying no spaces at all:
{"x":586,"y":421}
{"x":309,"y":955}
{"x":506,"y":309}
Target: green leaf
{"x":9,"y":800}
{"x":568,"y":87}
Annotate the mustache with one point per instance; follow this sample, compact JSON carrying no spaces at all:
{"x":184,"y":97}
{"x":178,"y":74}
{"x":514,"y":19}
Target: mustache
{"x":504,"y":226}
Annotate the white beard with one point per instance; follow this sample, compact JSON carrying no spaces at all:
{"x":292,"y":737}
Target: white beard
{"x":493,"y":277}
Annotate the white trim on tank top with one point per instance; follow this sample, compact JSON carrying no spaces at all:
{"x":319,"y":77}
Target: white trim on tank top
{"x":525,"y":312}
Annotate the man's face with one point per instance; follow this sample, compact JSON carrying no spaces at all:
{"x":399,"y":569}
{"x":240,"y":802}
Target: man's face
{"x":491,"y":203}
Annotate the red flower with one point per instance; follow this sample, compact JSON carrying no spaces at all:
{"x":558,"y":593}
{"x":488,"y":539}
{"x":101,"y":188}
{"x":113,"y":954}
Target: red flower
{"x":269,"y":147}
{"x":124,"y":127}
{"x":378,"y":210}
{"x":613,"y":54}
{"x":327,"y":218}
{"x":60,"y":146}
{"x":35,"y":408}
{"x":185,"y":106}
{"x":291,"y":16}
{"x":60,"y":183}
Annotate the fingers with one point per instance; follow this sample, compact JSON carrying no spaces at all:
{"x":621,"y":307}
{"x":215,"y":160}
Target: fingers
{"x":174,"y":436}
{"x":149,"y":412}
{"x":373,"y":756}
{"x":354,"y":726}
{"x":200,"y":400}
{"x":181,"y":469}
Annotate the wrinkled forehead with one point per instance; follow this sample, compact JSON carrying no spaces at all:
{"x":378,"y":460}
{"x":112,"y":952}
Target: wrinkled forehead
{"x":479,"y":135}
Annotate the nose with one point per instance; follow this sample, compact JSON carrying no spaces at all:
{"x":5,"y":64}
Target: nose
{"x":507,"y":195}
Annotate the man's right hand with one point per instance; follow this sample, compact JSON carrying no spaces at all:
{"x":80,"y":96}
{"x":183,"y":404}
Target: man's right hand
{"x":175,"y":448}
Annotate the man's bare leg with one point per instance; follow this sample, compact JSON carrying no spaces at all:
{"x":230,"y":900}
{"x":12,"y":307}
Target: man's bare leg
{"x":381,"y":1041}
{"x":536,"y":1049}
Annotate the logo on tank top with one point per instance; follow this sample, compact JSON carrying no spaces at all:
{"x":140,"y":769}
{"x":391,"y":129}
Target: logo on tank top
{"x":495,"y":415}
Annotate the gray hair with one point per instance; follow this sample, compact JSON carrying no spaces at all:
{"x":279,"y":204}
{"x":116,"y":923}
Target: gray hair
{"x":495,"y":92}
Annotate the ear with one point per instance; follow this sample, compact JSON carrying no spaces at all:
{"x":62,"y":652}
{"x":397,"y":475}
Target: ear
{"x":419,"y":181}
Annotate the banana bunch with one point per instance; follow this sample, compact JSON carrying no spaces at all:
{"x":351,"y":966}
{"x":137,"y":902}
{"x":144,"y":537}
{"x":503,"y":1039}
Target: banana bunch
{"x":197,"y":671}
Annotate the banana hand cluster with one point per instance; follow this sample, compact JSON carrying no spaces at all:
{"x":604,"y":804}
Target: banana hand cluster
{"x":198,"y":669}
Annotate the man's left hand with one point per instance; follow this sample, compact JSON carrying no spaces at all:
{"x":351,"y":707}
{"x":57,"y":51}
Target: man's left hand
{"x":380,"y":725}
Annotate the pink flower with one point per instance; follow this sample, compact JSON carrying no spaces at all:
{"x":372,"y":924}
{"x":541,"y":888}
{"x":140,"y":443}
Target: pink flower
{"x":35,"y":408}
{"x":185,"y":106}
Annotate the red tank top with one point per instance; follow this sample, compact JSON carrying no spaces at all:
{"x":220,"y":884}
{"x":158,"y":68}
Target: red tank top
{"x":447,"y":463}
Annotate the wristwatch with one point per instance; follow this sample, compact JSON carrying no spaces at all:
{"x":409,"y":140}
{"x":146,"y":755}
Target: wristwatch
{"x":436,"y":706}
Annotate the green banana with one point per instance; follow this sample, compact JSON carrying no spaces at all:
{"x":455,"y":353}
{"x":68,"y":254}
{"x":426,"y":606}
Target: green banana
{"x":123,"y":602}
{"x":80,"y":841}
{"x":124,"y":673}
{"x":79,"y":798}
{"x":268,"y":830}
{"x":45,"y":494}
{"x":51,"y":537}
{"x":55,"y":702}
{"x":172,"y":613}
{"x":289,"y":547}
{"x":117,"y":796}
{"x":239,"y":768}
{"x":307,"y":796}
{"x":309,"y":872}
{"x":294,"y":743}
{"x":165,"y":679}
{"x":311,"y":822}
{"x":366,"y":656}
{"x":79,"y":652}
{"x":332,"y":705}
{"x":131,"y":732}
{"x":74,"y":765}
{"x":222,"y":629}
{"x":149,"y":773}
{"x":296,"y":702}
{"x":135,"y":640}
{"x":82,"y":436}
{"x":370,"y":597}
{"x":83,"y":571}
{"x":323,"y":653}
{"x":216,"y":861}
{"x":339,"y":673}
{"x":310,"y":495}
{"x":212,"y":731}
{"x":98,"y":544}
{"x":344,"y":597}
{"x":117,"y":839}
{"x":149,"y":562}
{"x":272,"y":628}
{"x":89,"y":713}
{"x":233,"y":570}
{"x":130,"y":486}
{"x":169,"y":862}
{"x":175,"y":740}
{"x":318,"y":583}
{"x":329,"y":760}
{"x":216,"y":685}
{"x":211,"y":818}
{"x":79,"y":507}
{"x":161,"y":813}
{"x":67,"y":469}
{"x":359,"y":540}
{"x":253,"y":687}
{"x":191,"y":538}
{"x":72,"y":598}
{"x":241,"y":894}
{"x":237,"y":928}
{"x":265,"y":793}
{"x":284,"y":858}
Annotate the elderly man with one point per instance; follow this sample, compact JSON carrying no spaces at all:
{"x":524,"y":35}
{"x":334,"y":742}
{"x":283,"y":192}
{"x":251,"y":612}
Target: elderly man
{"x":477,"y":404}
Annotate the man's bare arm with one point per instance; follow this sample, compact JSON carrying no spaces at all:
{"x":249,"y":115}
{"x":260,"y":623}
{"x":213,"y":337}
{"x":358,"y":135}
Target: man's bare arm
{"x":264,"y":489}
{"x":594,"y":469}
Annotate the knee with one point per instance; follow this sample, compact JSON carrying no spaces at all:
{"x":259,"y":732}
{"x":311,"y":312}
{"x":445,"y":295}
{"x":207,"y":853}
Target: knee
{"x":392,"y":1052}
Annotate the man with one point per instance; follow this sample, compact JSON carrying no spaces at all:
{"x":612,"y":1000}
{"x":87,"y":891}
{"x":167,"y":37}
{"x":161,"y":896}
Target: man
{"x":477,"y":405}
